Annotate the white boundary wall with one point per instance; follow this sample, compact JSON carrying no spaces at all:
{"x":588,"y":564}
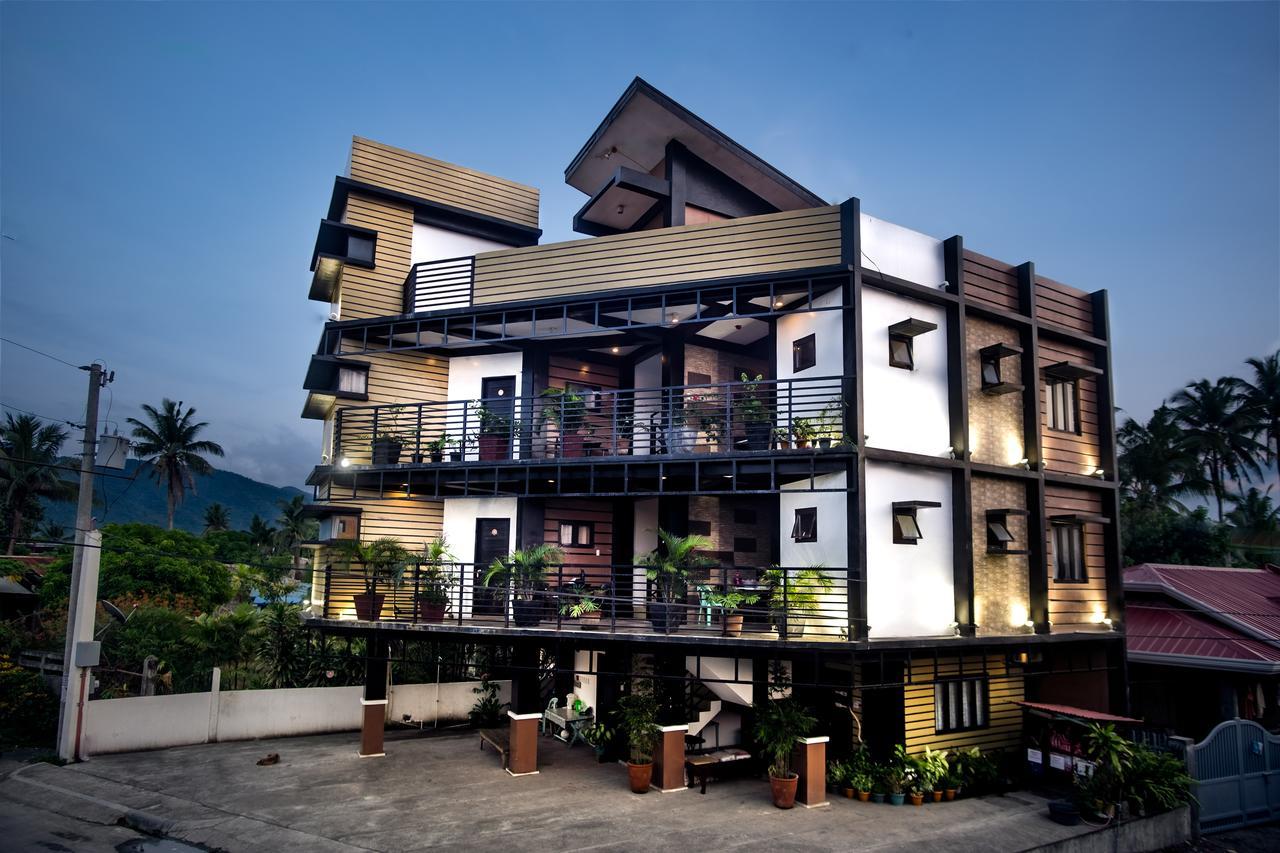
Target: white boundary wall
{"x":157,"y":722}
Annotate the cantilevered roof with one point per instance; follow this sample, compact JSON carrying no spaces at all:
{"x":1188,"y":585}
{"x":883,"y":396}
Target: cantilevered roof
{"x":635,"y":134}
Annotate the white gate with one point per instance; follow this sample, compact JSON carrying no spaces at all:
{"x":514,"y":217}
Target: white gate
{"x":1236,"y":769}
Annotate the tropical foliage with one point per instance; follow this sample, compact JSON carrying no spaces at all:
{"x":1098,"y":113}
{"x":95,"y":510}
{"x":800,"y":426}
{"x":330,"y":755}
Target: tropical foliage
{"x":29,"y":471}
{"x":168,"y":441}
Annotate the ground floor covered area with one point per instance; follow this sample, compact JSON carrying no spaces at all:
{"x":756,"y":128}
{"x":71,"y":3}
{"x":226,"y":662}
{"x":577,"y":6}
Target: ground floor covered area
{"x":432,"y":792}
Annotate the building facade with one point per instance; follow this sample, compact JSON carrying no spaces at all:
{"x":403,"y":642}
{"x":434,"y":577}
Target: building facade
{"x":900,"y":451}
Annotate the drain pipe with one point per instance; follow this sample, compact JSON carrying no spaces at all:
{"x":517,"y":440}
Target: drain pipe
{"x":436,"y":723}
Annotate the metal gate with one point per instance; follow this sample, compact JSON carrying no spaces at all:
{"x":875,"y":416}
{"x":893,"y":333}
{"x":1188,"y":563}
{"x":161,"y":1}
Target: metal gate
{"x":1237,"y":776}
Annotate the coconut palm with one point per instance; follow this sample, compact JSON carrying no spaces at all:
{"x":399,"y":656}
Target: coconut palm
{"x":168,"y":442}
{"x":1262,"y":396}
{"x":28,"y":456}
{"x":1255,"y":512}
{"x":1220,"y":428}
{"x":261,"y":534}
{"x":293,"y":527}
{"x":1157,"y":466}
{"x":216,"y":518}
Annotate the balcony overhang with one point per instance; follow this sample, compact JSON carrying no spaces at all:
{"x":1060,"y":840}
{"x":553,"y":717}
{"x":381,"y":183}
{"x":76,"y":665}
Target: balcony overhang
{"x":625,"y":200}
{"x":321,"y":383}
{"x":318,"y":405}
{"x":338,"y":245}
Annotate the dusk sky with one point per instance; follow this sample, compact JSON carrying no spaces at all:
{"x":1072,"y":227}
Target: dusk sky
{"x":163,"y":168}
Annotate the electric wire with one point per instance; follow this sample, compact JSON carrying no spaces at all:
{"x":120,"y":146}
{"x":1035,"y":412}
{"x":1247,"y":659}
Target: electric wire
{"x":40,"y":352}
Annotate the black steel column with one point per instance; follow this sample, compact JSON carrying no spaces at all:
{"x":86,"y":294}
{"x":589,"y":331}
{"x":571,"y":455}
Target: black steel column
{"x":1037,"y":529}
{"x":856,"y":498}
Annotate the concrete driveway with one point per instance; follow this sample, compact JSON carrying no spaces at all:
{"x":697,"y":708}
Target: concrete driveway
{"x":443,"y":792}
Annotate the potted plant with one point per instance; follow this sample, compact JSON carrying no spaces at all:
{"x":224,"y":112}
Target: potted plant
{"x":838,"y":776}
{"x":567,"y":409}
{"x":802,"y":431}
{"x":636,"y":719}
{"x":728,"y":604}
{"x":750,"y":411}
{"x":794,"y":597}
{"x":495,"y":432}
{"x":598,"y":734}
{"x":861,"y":771}
{"x":583,"y":603}
{"x":896,"y":775}
{"x":1111,"y":755}
{"x":879,"y":782}
{"x":935,"y":766}
{"x":829,"y":425}
{"x":780,"y":722}
{"x":434,"y":580}
{"x":387,"y":445}
{"x":435,"y":448}
{"x":667,"y":568}
{"x":525,"y":571}
{"x":383,"y":561}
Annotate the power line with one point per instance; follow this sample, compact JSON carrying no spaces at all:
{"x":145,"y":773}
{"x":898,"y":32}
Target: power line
{"x":40,"y":352}
{"x":43,"y":417}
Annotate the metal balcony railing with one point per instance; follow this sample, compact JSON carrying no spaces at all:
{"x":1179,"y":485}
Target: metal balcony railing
{"x":774,"y":604}
{"x":729,"y":417}
{"x":434,"y":285}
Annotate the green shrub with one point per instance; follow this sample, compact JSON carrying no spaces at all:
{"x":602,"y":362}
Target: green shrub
{"x":28,"y":708}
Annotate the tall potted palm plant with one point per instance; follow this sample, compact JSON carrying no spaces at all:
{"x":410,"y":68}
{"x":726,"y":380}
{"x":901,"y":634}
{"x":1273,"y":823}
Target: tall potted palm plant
{"x":525,"y":572}
{"x":636,"y":717}
{"x":383,"y":561}
{"x":567,"y":409}
{"x":667,"y":568}
{"x":435,"y":580}
{"x":780,"y":722}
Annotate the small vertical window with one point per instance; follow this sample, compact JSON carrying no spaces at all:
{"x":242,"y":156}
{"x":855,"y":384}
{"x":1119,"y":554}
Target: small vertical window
{"x":906,"y":529}
{"x":804,"y":353}
{"x":577,"y":534}
{"x":360,"y":248}
{"x":901,"y":352}
{"x":805,"y":526}
{"x":1068,"y":553}
{"x":1064,"y":405}
{"x":998,"y":536}
{"x":959,"y":704}
{"x":352,"y":380}
{"x":991,"y":361}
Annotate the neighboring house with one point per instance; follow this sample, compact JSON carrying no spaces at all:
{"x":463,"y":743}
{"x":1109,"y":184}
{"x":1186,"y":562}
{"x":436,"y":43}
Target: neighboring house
{"x":1203,"y":645}
{"x":727,"y":355}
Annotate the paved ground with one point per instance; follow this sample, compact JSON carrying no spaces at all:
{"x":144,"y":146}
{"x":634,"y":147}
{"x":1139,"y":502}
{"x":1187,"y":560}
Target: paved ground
{"x":442,"y":792}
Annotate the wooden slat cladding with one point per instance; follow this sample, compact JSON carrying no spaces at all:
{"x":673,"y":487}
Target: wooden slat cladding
{"x":403,"y":377}
{"x":775,"y":242}
{"x":991,"y":281}
{"x":1073,"y":606}
{"x":1004,"y":717}
{"x":600,"y":515}
{"x":1063,"y":306}
{"x":441,"y":182}
{"x":378,"y":292}
{"x":1070,"y":453}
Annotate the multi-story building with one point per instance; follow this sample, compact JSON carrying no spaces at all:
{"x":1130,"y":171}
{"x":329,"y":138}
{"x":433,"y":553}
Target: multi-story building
{"x":901,"y":452}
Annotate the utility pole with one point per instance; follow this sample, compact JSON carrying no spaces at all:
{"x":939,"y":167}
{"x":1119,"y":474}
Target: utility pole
{"x":73,"y":695}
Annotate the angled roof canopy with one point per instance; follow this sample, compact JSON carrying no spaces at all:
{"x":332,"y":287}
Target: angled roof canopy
{"x":635,"y":134}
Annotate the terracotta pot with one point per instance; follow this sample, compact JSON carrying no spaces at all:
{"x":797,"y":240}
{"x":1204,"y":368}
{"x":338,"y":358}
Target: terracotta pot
{"x":784,"y":790}
{"x":571,"y":445}
{"x":848,"y":792}
{"x":431,"y":611}
{"x":863,"y":796}
{"x":949,"y":794}
{"x":640,"y":776}
{"x":733,"y":624}
{"x":368,"y":605}
{"x":589,"y":621}
{"x":937,"y":796}
{"x":917,"y":799}
{"x":492,"y":447}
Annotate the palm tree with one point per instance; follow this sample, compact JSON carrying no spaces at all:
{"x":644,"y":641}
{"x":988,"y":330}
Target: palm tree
{"x":170,"y":445}
{"x":261,"y":534}
{"x":294,"y":527}
{"x":1262,"y":395}
{"x":1220,"y":429}
{"x":1157,"y":466}
{"x":28,"y":472}
{"x":216,"y":518}
{"x":1254,"y":512}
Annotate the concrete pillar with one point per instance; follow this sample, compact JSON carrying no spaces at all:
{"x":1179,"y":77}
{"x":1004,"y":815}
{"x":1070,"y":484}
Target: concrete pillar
{"x":810,"y":761}
{"x":668,"y":759}
{"x":522,"y":755}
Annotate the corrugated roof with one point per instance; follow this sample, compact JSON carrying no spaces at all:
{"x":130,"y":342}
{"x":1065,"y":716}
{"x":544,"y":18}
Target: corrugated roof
{"x":1078,"y":713}
{"x":1168,"y":630}
{"x":1248,"y":599}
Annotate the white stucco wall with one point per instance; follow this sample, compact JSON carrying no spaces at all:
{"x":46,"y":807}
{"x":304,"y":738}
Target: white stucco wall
{"x":809,"y":400}
{"x":904,"y":409}
{"x":444,"y":703}
{"x":644,"y":539}
{"x":586,"y":680}
{"x":909,"y":587}
{"x":901,"y":252}
{"x":460,"y":516}
{"x":831,"y":551}
{"x":648,"y":375}
{"x":432,"y":244}
{"x":466,"y":375}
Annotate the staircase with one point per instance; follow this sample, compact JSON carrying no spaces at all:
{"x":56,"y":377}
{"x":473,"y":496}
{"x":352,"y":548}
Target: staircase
{"x":702,"y":707}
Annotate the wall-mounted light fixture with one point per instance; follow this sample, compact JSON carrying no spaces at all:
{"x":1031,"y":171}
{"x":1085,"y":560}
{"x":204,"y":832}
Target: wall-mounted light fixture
{"x":345,"y":462}
{"x":1100,"y":473}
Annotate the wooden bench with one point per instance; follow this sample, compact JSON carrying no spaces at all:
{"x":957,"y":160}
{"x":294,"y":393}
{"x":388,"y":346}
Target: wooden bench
{"x":718,"y":765}
{"x":499,"y":739}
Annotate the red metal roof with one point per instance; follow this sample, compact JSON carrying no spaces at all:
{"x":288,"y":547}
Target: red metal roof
{"x":1169,"y":629}
{"x":1078,"y":713}
{"x":1248,"y":599}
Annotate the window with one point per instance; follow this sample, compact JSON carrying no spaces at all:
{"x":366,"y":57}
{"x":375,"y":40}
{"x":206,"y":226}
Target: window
{"x":804,"y":353}
{"x":998,"y":535}
{"x":906,"y":531}
{"x":1064,"y":405}
{"x":959,"y":704}
{"x":360,"y":248}
{"x":993,"y":373}
{"x":577,"y":534}
{"x":744,"y":545}
{"x":699,"y":528}
{"x":901,"y":352}
{"x":1068,"y":553}
{"x":352,"y":380}
{"x":805,"y":527}
{"x":990,"y":373}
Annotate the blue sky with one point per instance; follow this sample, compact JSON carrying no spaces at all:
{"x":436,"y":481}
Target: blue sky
{"x":163,"y":167}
